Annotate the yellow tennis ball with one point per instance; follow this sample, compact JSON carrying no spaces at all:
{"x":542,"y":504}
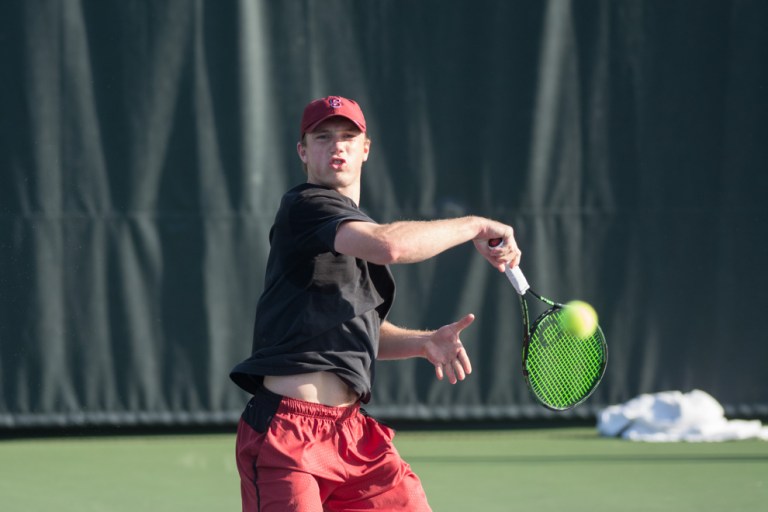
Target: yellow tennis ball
{"x":580,"y":318}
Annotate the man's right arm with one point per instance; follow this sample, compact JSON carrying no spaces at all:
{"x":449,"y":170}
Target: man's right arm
{"x":414,"y":241}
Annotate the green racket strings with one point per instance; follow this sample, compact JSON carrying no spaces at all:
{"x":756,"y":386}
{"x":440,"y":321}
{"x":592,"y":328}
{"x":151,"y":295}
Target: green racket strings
{"x":563,"y":369}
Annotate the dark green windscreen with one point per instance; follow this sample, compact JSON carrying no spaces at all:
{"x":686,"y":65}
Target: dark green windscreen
{"x":144,"y":146}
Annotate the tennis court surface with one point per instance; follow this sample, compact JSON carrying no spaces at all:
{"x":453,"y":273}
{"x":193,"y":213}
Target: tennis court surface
{"x":501,"y":470}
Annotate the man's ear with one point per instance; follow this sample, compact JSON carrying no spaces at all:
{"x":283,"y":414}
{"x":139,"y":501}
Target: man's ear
{"x":302,"y":151}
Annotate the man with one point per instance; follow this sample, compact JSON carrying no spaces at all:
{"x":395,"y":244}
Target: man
{"x":303,"y":443}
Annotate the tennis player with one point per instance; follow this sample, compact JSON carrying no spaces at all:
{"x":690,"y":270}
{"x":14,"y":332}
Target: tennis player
{"x":303,"y":442}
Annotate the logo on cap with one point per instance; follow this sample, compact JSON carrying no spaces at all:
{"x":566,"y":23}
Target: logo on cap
{"x":334,"y":102}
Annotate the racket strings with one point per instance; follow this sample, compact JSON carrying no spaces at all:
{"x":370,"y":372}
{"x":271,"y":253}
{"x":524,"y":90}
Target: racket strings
{"x":563,"y":369}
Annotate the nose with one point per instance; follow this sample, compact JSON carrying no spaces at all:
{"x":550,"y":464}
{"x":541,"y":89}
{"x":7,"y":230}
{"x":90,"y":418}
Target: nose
{"x":337,"y":144}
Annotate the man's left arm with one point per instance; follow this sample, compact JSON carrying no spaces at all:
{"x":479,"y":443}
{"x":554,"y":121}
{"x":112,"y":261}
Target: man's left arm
{"x":441,"y":347}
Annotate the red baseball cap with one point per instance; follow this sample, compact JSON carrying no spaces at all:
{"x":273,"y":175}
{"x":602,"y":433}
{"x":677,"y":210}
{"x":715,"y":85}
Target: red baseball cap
{"x":321,"y":109}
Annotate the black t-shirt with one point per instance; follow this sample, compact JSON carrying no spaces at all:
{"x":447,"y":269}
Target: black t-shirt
{"x":320,"y":310}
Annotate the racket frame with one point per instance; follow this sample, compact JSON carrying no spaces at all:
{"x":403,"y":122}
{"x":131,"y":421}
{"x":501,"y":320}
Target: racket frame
{"x":519,"y":282}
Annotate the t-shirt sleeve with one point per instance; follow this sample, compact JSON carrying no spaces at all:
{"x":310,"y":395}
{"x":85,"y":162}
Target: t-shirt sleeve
{"x":315,"y":217}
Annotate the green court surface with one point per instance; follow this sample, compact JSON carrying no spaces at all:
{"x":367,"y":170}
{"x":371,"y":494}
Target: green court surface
{"x":502,"y":470}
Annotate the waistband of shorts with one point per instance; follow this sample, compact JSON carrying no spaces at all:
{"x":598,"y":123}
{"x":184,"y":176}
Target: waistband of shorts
{"x":290,"y":405}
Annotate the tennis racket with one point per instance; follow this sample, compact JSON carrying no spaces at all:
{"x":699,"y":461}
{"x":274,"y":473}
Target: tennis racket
{"x":561,"y":369}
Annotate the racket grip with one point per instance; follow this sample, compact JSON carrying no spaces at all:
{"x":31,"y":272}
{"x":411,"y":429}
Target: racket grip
{"x":517,"y":278}
{"x":514,"y":274}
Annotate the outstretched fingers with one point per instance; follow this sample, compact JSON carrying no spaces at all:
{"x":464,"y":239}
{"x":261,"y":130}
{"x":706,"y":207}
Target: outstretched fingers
{"x":451,"y":360}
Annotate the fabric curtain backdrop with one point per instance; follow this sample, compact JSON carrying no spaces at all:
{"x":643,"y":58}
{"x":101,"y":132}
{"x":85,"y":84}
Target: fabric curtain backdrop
{"x":144,"y":146}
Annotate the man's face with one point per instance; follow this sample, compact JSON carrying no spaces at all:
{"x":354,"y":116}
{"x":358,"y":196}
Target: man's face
{"x":334,"y":153}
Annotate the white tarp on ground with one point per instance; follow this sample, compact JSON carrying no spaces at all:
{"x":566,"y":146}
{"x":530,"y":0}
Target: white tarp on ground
{"x":675,"y":416}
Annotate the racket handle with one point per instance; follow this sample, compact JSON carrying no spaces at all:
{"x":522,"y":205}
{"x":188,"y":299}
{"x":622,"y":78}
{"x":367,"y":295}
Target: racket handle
{"x":517,"y":278}
{"x":514,"y":274}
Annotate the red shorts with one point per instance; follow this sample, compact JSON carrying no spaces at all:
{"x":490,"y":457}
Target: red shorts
{"x":300,"y":456}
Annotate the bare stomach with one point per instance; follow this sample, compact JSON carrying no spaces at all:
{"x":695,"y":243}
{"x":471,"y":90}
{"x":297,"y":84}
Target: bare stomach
{"x":318,"y":387}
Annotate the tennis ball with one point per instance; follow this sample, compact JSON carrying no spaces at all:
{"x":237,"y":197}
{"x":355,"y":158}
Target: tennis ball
{"x":580,"y":318}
